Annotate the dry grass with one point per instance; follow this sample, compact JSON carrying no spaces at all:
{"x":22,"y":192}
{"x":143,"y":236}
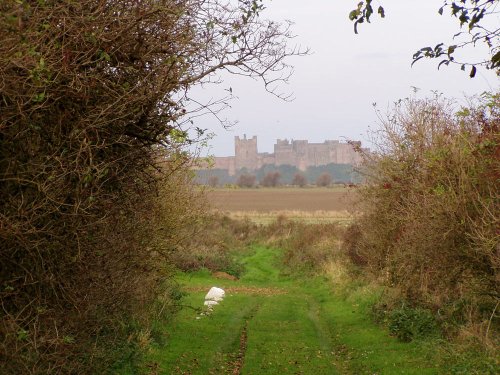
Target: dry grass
{"x":308,"y":217}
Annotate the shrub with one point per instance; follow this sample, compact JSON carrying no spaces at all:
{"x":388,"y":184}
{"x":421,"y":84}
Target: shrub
{"x":271,"y":179}
{"x":299,"y":180}
{"x":408,"y":323}
{"x":307,"y":247}
{"x":212,"y":242}
{"x":246,"y":180}
{"x":92,"y":110}
{"x":324,"y":179}
{"x":213,"y":181}
{"x":430,"y":205}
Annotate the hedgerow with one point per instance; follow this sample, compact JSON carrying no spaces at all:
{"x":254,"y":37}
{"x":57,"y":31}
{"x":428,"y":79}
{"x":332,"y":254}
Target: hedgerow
{"x":430,"y":210}
{"x":94,"y":109}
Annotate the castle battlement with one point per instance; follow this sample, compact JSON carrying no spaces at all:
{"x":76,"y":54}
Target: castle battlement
{"x":298,"y":153}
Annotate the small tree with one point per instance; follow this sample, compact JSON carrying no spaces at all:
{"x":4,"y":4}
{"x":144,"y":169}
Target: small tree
{"x":213,"y":181}
{"x":324,"y":179}
{"x":299,"y":180}
{"x":246,"y":180}
{"x":271,"y":179}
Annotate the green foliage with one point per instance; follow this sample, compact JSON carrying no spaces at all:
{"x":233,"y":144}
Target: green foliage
{"x":408,"y":323}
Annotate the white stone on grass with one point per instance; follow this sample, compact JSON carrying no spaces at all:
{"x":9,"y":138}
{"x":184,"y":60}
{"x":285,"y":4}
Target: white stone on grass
{"x":215,"y":294}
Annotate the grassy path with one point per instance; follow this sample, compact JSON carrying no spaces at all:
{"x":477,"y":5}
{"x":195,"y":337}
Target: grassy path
{"x":273,"y":324}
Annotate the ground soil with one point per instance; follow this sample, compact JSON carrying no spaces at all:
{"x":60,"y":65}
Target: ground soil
{"x":267,"y":200}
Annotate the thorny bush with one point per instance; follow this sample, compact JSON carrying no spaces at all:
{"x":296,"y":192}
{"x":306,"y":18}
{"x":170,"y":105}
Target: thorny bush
{"x":93,"y":102}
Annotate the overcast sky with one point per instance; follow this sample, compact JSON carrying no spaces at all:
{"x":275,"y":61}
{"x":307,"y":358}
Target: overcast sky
{"x":335,"y":86}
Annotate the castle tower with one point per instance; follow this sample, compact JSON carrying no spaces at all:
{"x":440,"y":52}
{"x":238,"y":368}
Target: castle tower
{"x":245,"y":151}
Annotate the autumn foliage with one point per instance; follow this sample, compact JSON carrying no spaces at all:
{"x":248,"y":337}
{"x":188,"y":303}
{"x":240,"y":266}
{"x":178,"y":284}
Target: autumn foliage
{"x":92,"y":156}
{"x":430,"y":209}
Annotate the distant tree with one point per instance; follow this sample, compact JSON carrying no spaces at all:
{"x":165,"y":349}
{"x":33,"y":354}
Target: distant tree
{"x":271,"y":179}
{"x":246,"y":180}
{"x":299,"y":180}
{"x":213,"y":181}
{"x":324,"y":179}
{"x":479,"y":17}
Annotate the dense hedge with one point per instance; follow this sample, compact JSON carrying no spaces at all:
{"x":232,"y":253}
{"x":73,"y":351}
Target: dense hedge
{"x":93,"y":103}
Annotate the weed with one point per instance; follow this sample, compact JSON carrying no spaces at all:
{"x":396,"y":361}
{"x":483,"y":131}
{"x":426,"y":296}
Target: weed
{"x":408,"y":323}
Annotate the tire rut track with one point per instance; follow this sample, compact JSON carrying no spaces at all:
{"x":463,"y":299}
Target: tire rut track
{"x":237,"y":364}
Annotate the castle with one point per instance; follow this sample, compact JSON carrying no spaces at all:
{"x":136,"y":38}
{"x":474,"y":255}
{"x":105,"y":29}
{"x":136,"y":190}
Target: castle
{"x":298,"y":153}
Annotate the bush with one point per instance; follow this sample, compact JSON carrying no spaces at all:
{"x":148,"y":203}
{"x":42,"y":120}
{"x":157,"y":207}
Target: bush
{"x":408,"y":323}
{"x":213,"y":181}
{"x":299,"y":180}
{"x":90,"y":131}
{"x":212,"y":244}
{"x":246,"y":180}
{"x":430,"y":205}
{"x":307,"y":247}
{"x":271,"y":179}
{"x":324,"y":179}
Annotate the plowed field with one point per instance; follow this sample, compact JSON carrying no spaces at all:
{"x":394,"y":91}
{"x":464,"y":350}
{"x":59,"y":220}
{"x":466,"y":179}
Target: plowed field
{"x":271,"y":200}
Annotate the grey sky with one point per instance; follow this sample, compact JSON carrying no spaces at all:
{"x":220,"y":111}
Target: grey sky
{"x":335,"y":86}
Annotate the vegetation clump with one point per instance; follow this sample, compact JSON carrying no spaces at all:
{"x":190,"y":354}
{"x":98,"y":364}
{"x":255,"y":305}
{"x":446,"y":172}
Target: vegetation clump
{"x":93,"y":129}
{"x":324,"y":180}
{"x":246,"y":180}
{"x":430,"y":211}
{"x":271,"y":179}
{"x":299,"y":180}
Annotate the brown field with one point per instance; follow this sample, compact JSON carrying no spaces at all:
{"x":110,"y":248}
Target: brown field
{"x":263,"y":205}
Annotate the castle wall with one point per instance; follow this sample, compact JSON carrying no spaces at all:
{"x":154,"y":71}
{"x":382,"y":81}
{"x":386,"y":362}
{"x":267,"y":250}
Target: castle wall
{"x":298,"y":153}
{"x":246,"y":155}
{"x":227,"y":163}
{"x":266,"y":159}
{"x":283,"y":152}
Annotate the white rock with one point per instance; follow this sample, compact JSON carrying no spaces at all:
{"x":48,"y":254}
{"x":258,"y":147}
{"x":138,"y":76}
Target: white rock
{"x":211,"y":303}
{"x":215,"y":294}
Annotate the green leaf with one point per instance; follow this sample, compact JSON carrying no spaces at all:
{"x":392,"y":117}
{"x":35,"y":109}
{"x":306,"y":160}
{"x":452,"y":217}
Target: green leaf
{"x":68,"y":339}
{"x":361,"y":20}
{"x":445,"y":61}
{"x":234,"y":39}
{"x":416,"y":59}
{"x":381,"y":11}
{"x":495,"y":60}
{"x":39,"y":97}
{"x":22,"y":335}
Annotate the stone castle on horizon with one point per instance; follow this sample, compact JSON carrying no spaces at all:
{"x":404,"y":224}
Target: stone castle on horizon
{"x":298,"y":153}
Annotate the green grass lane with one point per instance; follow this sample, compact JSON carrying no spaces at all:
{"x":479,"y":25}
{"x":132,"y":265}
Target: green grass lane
{"x":283,"y":339}
{"x":274,"y":324}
